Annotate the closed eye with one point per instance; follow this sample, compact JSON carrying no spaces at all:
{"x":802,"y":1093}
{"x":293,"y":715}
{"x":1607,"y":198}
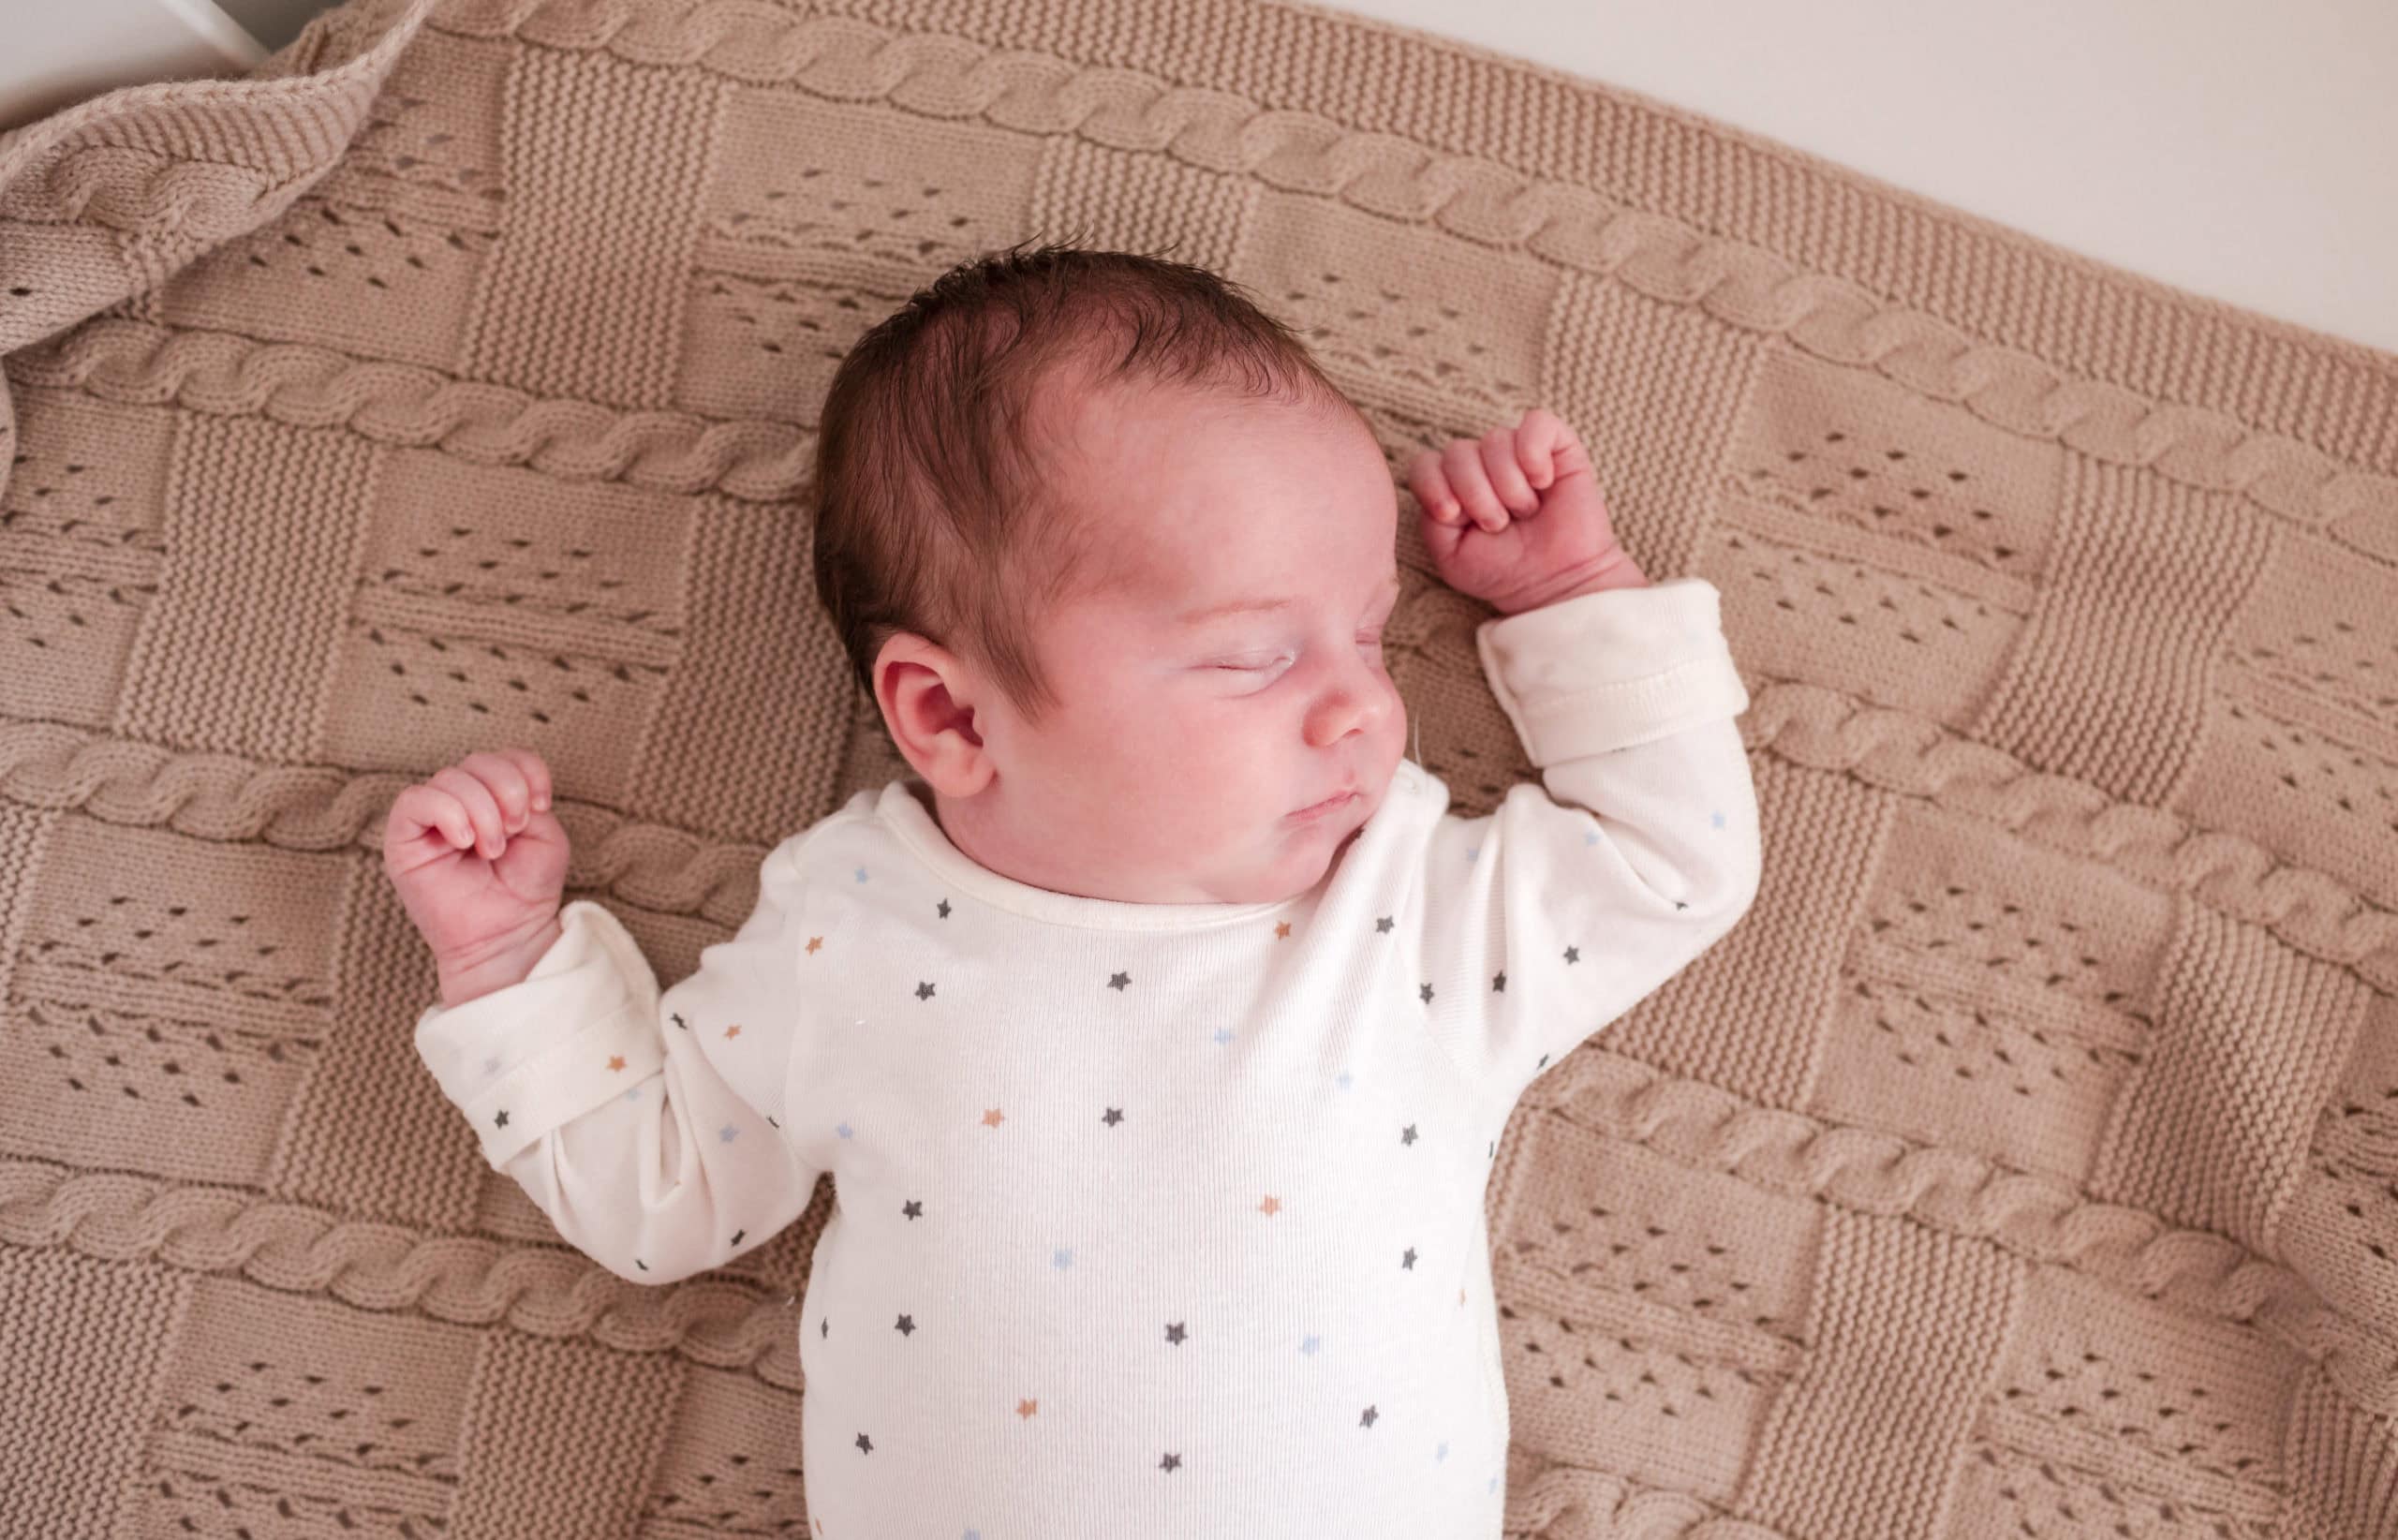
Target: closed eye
{"x":1373,"y":640}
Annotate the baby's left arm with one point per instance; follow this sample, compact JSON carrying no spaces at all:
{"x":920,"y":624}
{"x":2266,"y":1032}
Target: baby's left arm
{"x":1575,"y":898}
{"x":1550,"y":917}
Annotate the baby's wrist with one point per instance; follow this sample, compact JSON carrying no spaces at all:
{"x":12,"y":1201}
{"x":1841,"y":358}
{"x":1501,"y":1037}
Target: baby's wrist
{"x":497,"y":967}
{"x":1615,"y":569}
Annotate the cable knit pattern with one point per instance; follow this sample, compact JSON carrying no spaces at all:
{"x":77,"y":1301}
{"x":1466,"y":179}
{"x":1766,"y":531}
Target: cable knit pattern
{"x":2025,"y":1162}
{"x":138,"y":363}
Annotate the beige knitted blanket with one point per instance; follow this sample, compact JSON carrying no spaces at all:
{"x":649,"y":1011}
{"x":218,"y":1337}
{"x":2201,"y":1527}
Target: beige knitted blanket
{"x":2025,"y":1164}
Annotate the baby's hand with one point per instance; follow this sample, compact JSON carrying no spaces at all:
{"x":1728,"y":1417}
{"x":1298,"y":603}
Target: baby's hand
{"x":1515,"y":519}
{"x":476,"y":856}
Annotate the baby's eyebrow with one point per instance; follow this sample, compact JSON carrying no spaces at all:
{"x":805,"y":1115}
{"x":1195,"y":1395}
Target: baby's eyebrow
{"x":1259,"y":606}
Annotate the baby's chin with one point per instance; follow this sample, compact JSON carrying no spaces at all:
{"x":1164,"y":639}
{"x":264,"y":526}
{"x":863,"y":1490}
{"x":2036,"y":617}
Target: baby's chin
{"x":1310,"y":855}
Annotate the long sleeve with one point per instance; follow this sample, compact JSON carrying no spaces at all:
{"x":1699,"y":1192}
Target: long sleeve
{"x":651,"y":1128}
{"x":1552,"y":915}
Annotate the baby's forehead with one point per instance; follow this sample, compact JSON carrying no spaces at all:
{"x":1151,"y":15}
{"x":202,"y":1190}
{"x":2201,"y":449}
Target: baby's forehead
{"x":1148,"y":483}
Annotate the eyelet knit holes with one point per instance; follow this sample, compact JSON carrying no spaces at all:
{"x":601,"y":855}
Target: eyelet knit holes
{"x":115,"y":1052}
{"x":2334,"y":660}
{"x":2337,"y":782}
{"x":1881,"y":489}
{"x":261,"y":1405}
{"x":1882,"y":607}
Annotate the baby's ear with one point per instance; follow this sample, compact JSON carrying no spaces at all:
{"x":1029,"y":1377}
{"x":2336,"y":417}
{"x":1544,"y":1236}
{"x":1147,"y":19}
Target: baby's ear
{"x":922,"y":691}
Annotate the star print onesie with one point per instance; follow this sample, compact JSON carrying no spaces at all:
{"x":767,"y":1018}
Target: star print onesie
{"x":1151,"y":1220}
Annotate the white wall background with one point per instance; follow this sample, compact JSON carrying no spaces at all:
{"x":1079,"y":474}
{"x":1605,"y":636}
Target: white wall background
{"x":2243,"y":149}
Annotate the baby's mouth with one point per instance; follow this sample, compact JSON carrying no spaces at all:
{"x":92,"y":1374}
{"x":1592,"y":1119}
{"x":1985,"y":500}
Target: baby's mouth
{"x":1329,"y":805}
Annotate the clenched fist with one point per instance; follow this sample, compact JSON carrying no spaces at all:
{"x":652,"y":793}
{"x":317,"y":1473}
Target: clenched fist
{"x":1515,"y":518}
{"x":480,"y":862}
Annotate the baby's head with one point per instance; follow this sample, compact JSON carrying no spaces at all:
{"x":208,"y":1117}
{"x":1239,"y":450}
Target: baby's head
{"x":1030,"y":480}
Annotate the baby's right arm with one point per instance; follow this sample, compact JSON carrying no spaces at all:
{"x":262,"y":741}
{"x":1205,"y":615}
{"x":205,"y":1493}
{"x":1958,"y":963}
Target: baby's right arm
{"x":650,"y":1129}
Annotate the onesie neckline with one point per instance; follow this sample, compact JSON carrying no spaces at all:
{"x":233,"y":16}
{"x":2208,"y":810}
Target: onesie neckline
{"x":922,"y":833}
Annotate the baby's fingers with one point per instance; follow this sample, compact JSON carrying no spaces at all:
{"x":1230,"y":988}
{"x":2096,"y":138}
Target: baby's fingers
{"x":537,"y":775}
{"x":503,"y":774}
{"x":426,"y":809}
{"x":1431,"y":487}
{"x":1507,"y":474}
{"x":1540,"y":439}
{"x":482,"y":808}
{"x":1462,"y":461}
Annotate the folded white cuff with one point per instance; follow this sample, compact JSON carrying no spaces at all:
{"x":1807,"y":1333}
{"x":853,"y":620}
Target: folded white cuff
{"x":580,"y":1028}
{"x":1605,"y":670}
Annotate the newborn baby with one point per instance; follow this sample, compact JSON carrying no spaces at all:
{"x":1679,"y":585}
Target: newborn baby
{"x":1159,"y":1034}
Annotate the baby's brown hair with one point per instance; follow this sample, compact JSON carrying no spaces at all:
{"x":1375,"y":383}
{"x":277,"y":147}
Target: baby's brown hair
{"x":931,"y":513}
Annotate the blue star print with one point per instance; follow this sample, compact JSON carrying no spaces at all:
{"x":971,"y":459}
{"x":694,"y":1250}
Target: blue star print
{"x":1717,"y":818}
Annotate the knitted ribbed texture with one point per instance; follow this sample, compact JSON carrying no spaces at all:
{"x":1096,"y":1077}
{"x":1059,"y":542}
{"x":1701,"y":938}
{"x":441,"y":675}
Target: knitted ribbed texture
{"x":2025,"y":1164}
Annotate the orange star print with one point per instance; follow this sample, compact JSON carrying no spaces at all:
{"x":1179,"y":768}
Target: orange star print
{"x":616,"y":1061}
{"x":991,"y":1119}
{"x":1270,"y":1205}
{"x":732,"y":1031}
{"x":815,"y":941}
{"x":1027,"y":1407}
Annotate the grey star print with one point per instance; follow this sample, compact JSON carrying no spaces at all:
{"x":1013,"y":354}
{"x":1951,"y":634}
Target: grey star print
{"x":500,"y":1121}
{"x":1388,"y":1068}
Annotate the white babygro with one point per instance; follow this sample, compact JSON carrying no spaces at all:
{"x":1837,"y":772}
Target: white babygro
{"x":1157,"y":1220}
